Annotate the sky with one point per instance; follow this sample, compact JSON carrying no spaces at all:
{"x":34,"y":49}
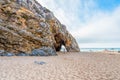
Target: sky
{"x":94,"y":23}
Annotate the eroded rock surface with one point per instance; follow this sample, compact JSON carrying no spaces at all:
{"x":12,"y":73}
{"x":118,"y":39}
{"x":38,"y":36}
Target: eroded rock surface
{"x":26,"y":26}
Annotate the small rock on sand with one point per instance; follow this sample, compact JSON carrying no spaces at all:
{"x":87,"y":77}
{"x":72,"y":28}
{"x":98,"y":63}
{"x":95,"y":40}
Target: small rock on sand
{"x":40,"y":63}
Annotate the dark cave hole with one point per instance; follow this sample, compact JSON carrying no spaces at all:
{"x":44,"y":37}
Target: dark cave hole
{"x":61,"y":46}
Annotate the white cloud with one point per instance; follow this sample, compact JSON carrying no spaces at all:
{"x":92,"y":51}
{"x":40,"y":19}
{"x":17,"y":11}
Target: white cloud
{"x":103,"y":26}
{"x":88,"y":24}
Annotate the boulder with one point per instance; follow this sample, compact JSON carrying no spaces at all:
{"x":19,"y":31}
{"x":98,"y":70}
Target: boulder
{"x":4,"y":53}
{"x":22,"y":54}
{"x":44,"y":51}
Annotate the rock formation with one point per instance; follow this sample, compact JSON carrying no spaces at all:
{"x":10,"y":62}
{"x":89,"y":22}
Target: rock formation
{"x":26,"y":26}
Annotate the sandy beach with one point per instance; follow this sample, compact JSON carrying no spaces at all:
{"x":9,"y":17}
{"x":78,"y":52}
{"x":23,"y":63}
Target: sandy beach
{"x":70,"y":66}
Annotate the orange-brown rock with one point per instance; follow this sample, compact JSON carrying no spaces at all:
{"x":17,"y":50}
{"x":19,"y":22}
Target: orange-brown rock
{"x":26,"y":25}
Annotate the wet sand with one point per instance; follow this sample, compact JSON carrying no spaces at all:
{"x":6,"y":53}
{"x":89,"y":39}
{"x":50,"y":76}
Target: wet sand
{"x":70,"y":66}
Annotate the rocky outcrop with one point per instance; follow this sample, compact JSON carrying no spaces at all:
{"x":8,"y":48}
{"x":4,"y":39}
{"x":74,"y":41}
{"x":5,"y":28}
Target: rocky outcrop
{"x":44,"y":51}
{"x":26,"y":26}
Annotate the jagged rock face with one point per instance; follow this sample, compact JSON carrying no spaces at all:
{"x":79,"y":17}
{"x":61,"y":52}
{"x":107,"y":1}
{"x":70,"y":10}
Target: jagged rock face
{"x":25,"y":25}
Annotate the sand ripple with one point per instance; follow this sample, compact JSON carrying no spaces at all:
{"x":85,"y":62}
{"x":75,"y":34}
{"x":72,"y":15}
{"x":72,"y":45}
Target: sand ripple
{"x":71,"y":66}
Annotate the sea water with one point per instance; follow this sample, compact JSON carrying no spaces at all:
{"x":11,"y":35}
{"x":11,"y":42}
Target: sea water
{"x":98,"y":49}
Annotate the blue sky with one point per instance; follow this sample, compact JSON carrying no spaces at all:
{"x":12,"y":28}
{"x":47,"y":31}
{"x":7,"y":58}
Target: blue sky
{"x":94,"y":23}
{"x":107,"y":5}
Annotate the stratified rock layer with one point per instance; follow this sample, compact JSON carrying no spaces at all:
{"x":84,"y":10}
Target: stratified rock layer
{"x":26,"y":26}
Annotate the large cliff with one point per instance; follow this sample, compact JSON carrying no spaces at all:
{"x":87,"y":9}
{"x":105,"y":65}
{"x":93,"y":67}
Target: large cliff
{"x":27,"y":27}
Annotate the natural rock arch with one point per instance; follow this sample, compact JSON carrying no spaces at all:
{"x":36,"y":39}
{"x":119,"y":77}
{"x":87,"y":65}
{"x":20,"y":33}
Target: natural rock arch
{"x":32,"y":29}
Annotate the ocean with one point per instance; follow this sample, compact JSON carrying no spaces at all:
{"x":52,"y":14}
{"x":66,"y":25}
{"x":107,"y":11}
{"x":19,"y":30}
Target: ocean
{"x":98,"y":49}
